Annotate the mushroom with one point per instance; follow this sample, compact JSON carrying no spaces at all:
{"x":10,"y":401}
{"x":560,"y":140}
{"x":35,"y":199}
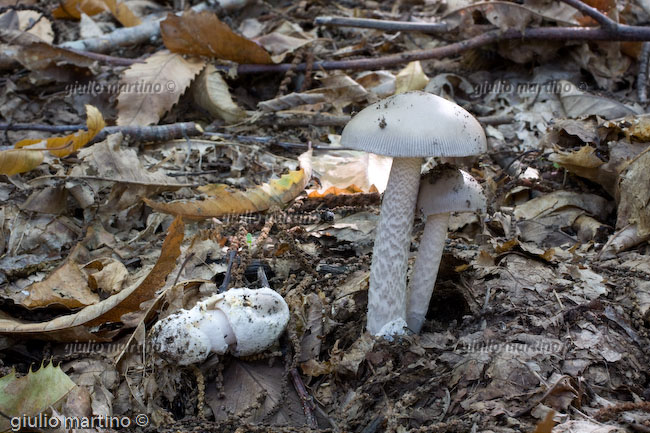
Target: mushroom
{"x":444,"y":190}
{"x":408,"y":126}
{"x":241,"y":321}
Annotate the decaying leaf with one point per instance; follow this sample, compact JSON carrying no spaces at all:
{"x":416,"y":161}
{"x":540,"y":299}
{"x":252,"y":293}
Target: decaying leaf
{"x":211,"y":93}
{"x":246,"y":385}
{"x":32,"y":22}
{"x":203,"y":34}
{"x":577,"y":103}
{"x":412,"y":77}
{"x":291,"y":100}
{"x":32,"y":394}
{"x":223,"y":200}
{"x":64,"y":146}
{"x":634,"y":193}
{"x":79,"y":326}
{"x":66,"y":286}
{"x":74,"y":9}
{"x":14,"y":161}
{"x":345,"y":168}
{"x":151,"y":88}
{"x":133,"y":181}
{"x":43,"y":59}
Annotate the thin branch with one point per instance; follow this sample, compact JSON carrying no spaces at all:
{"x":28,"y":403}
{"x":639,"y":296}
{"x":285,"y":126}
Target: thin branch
{"x":386,"y":25}
{"x":594,"y":13}
{"x":620,"y":32}
{"x":642,"y":77}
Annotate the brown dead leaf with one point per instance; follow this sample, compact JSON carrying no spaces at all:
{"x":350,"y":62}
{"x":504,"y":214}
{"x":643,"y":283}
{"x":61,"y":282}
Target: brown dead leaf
{"x":133,"y":181}
{"x":67,"y":286}
{"x":32,"y":22}
{"x":64,"y":146}
{"x":546,"y":425}
{"x":165,"y":75}
{"x":227,"y":201}
{"x":74,"y":9}
{"x":77,"y":327}
{"x":634,"y":195}
{"x":210,"y":92}
{"x":202,"y":34}
{"x":43,"y":59}
{"x":252,"y":391}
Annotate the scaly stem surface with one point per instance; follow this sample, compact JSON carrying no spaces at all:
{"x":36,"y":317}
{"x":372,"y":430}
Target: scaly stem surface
{"x":387,"y":293}
{"x":425,"y":270}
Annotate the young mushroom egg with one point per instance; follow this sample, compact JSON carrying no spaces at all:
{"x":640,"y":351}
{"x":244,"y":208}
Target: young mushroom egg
{"x":240,"y":321}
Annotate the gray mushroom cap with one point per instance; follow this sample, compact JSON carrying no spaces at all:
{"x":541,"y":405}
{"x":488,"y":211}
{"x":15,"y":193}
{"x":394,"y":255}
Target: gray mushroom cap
{"x":415,"y":124}
{"x":447,"y":189}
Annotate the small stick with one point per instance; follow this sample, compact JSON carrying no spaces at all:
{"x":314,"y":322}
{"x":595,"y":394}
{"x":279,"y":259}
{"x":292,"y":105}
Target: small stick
{"x":271,"y":141}
{"x":226,"y":279}
{"x":642,"y":77}
{"x":594,"y":13}
{"x":308,"y":404}
{"x":386,"y":25}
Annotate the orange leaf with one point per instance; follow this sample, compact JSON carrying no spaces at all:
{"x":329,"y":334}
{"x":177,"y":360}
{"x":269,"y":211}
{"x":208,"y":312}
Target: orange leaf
{"x":15,"y":161}
{"x":64,"y":146}
{"x":74,"y":8}
{"x":203,"y":34}
{"x":351,"y":189}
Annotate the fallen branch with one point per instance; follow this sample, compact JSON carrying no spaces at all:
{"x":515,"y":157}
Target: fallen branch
{"x":386,"y":25}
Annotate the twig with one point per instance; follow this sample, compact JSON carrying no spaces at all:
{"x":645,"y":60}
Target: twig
{"x":306,"y":399}
{"x":386,"y":25}
{"x":226,"y":279}
{"x":111,"y":60}
{"x":642,"y":77}
{"x":271,"y":141}
{"x":594,"y":13}
{"x":155,"y":133}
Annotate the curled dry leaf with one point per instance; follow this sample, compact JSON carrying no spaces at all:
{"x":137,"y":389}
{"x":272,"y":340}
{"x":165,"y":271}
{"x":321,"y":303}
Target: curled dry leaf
{"x":202,"y":34}
{"x":148,"y":90}
{"x":64,"y":146}
{"x":14,"y":161}
{"x":412,"y":77}
{"x":211,"y":93}
{"x":226,"y":201}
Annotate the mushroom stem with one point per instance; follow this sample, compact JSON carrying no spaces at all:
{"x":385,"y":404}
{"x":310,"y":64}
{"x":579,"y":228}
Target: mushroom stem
{"x":387,"y":293}
{"x":425,"y":270}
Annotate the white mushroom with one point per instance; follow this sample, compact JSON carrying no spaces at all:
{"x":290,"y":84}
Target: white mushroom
{"x":443,"y":191}
{"x":408,"y":126}
{"x":241,"y":321}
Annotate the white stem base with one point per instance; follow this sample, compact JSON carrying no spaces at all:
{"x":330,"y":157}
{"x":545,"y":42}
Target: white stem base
{"x":425,"y":270}
{"x":387,"y":293}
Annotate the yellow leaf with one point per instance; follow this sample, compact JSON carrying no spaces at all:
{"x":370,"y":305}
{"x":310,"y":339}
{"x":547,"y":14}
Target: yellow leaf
{"x":227,"y":201}
{"x":64,"y":146}
{"x":14,"y":161}
{"x":412,"y":77}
